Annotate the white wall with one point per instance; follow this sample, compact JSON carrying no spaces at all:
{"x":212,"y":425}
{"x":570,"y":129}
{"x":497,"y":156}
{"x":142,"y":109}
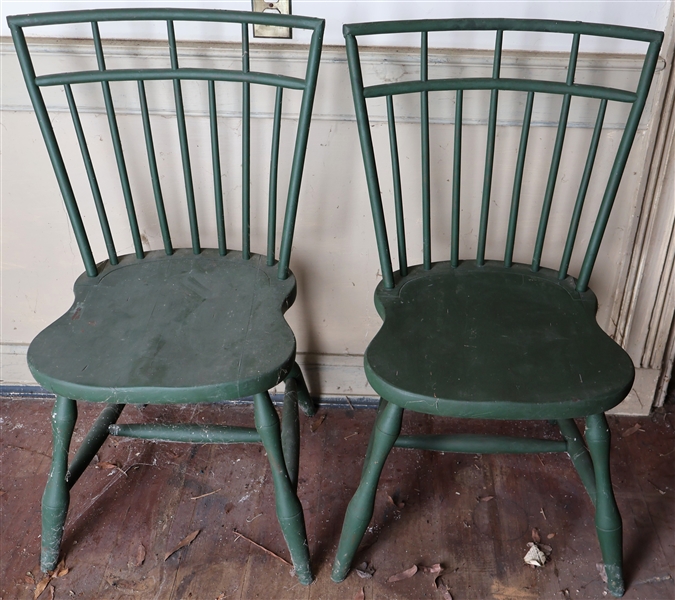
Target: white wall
{"x":651,"y":14}
{"x":334,"y":255}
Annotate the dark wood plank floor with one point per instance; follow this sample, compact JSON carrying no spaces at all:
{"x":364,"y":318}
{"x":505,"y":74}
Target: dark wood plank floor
{"x":431,"y":508}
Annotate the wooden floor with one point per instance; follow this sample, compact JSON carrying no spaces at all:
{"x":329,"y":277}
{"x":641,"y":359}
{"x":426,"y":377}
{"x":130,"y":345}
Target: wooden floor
{"x":472,"y":514}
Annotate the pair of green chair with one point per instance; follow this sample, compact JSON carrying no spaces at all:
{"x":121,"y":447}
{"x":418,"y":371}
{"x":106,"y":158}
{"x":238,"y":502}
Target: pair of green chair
{"x":464,"y":338}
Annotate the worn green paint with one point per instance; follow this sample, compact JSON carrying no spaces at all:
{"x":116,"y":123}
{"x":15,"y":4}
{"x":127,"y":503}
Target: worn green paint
{"x":478,"y":338}
{"x":174,"y":325}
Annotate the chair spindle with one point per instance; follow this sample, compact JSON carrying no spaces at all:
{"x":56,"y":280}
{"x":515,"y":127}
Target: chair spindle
{"x":299,"y":153}
{"x":117,"y":145}
{"x":555,"y":160}
{"x":583,"y":188}
{"x":426,"y":170}
{"x":245,"y":149}
{"x":518,"y":181}
{"x":154,"y":172}
{"x":215,"y":159}
{"x":489,"y":153}
{"x":398,"y":195}
{"x":456,"y":179}
{"x":55,"y":156}
{"x":274,"y":172}
{"x":91,"y":175}
{"x":183,"y":140}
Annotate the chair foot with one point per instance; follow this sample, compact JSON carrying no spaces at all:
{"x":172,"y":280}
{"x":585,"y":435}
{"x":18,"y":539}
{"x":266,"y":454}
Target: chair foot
{"x":607,"y":517}
{"x":56,"y":497}
{"x":289,"y":509}
{"x":360,"y":510}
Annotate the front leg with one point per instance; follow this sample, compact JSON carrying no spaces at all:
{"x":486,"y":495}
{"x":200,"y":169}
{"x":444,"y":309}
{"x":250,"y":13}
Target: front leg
{"x":289,"y":509}
{"x":607,"y":517}
{"x":56,"y":496}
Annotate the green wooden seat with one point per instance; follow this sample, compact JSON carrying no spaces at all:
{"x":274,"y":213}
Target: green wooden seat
{"x":176,"y":325}
{"x":476,"y":338}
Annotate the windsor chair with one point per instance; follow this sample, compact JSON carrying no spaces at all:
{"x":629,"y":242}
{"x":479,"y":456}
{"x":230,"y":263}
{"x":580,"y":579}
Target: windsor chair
{"x":175,"y":325}
{"x":479,"y":338}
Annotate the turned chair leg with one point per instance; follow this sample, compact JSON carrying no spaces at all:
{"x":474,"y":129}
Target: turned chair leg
{"x":56,"y":496}
{"x":290,"y":432}
{"x":304,"y":399}
{"x":289,"y":509}
{"x":360,"y":510}
{"x":607,"y":517}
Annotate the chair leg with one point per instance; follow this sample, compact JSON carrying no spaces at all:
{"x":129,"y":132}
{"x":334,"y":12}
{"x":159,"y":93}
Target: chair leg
{"x":360,"y":510}
{"x":290,"y":432}
{"x":56,"y":496}
{"x":607,"y":517}
{"x":304,"y":399}
{"x":289,"y":509}
{"x":578,"y":452}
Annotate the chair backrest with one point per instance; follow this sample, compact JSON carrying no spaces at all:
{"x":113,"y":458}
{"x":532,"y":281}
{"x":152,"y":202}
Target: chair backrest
{"x":211,"y":79}
{"x":496,"y":83}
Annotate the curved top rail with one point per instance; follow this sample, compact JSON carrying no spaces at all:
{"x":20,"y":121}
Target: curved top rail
{"x":537,"y":25}
{"x":162,"y":14}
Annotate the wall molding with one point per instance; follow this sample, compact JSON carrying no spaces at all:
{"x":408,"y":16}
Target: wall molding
{"x":644,"y":309}
{"x":391,"y":64}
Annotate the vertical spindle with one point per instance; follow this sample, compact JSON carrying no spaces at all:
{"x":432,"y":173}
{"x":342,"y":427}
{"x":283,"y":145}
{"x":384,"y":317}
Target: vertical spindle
{"x":183,"y":141}
{"x":426,"y":172}
{"x":489,"y":154}
{"x":154,"y":172}
{"x":274,"y":170}
{"x":398,"y":196}
{"x":456,"y":179}
{"x":215,"y":161}
{"x":117,"y":145}
{"x":518,"y":181}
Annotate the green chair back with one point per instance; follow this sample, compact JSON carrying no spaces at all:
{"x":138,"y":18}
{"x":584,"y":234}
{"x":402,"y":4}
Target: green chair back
{"x":427,"y":86}
{"x":212,"y":79}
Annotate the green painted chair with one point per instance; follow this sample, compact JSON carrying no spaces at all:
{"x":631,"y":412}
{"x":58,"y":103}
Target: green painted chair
{"x":175,"y":325}
{"x":482,"y":338}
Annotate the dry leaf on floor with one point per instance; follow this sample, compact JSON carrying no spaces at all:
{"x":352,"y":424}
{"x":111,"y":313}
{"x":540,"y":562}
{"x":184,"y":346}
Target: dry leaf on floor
{"x":106,"y":465}
{"x":445,"y":592}
{"x":632,"y":430}
{"x":550,"y":536}
{"x":485,"y":498}
{"x":536,"y":538}
{"x":365,"y":571}
{"x":317,"y":423}
{"x":433,"y":569}
{"x":51,"y":592}
{"x":407,"y":574}
{"x":61,"y":570}
{"x":535,"y":555}
{"x":41,"y":586}
{"x":140,"y":555}
{"x":186,"y":541}
{"x":360,"y":595}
